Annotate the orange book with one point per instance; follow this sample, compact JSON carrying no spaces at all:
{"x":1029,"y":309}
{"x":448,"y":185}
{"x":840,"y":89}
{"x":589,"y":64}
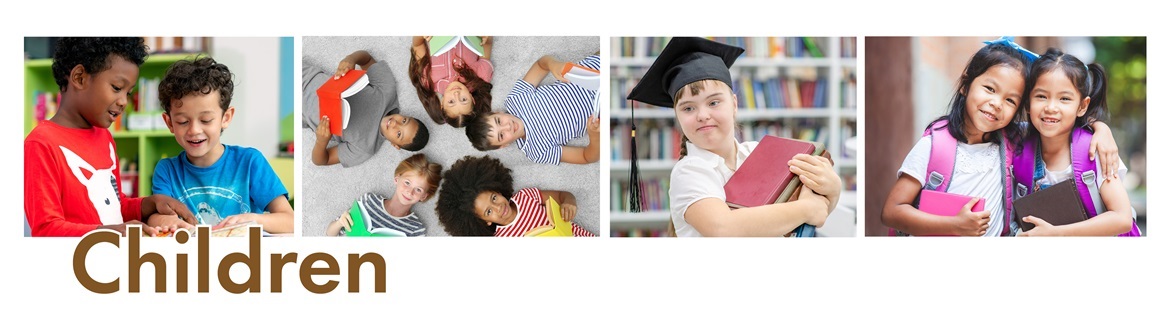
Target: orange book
{"x":332,"y":94}
{"x":586,"y":78}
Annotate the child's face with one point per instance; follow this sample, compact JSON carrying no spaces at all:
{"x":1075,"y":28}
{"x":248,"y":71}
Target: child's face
{"x":492,"y":207}
{"x":1055,"y":104}
{"x":503,"y":129}
{"x":992,"y":100}
{"x":411,"y":188}
{"x":707,"y":118}
{"x":399,"y":129}
{"x":104,"y":94}
{"x":197,"y":122}
{"x":457,"y":100}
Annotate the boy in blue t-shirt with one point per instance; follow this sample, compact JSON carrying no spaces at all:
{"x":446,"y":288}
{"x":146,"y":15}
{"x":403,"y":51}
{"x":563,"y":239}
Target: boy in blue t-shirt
{"x":541,"y":119}
{"x":222,"y":184}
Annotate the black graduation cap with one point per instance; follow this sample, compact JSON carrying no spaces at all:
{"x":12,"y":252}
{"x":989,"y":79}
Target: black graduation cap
{"x":683,"y":61}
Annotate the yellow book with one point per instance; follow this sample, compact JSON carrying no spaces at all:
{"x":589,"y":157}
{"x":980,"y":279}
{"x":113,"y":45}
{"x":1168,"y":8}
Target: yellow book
{"x":558,"y":226}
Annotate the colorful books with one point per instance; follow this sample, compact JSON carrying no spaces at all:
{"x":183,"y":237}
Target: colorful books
{"x":557,"y":226}
{"x":442,"y":44}
{"x":1059,"y":204}
{"x":764,"y":178}
{"x":332,"y":94}
{"x":361,"y":228}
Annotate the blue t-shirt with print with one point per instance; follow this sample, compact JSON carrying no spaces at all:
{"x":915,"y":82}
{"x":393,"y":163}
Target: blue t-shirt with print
{"x":241,"y":181}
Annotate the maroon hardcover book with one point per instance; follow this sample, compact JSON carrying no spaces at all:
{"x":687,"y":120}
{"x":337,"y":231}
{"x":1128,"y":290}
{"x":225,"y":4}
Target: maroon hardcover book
{"x":764,"y":177}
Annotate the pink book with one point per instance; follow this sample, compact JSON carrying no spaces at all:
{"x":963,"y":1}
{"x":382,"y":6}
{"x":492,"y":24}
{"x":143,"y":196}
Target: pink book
{"x":945,"y":204}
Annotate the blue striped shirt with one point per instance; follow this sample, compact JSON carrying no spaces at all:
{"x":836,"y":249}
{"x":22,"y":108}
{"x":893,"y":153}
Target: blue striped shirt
{"x":552,"y":114}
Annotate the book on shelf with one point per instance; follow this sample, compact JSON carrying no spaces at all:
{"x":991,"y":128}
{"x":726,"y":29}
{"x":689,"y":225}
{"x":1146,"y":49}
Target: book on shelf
{"x":754,"y":47}
{"x":332,"y":94}
{"x":442,"y":44}
{"x":653,"y":190}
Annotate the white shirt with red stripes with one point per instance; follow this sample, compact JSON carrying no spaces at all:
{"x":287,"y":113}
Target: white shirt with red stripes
{"x":530,"y":213}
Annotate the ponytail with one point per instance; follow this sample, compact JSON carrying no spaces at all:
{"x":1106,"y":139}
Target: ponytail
{"x":1096,"y":86}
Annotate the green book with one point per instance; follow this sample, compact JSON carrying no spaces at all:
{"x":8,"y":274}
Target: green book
{"x":812,"y":47}
{"x":361,"y":229}
{"x":442,"y":44}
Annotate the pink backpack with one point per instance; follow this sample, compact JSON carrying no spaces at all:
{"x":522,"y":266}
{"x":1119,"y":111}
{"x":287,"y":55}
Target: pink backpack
{"x":941,"y":167}
{"x":1083,"y":169}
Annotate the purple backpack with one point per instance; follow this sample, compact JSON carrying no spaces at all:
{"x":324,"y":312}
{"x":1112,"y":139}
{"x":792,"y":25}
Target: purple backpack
{"x":1084,"y":173}
{"x":941,"y":167}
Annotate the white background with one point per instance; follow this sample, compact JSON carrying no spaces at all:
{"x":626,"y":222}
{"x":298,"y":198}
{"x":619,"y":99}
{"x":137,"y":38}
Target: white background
{"x":603,"y":275}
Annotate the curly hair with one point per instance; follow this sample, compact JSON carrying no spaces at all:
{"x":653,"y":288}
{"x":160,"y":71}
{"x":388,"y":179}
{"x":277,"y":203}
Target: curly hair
{"x":477,"y":133}
{"x":421,"y":137}
{"x":93,"y":54}
{"x":418,"y":163}
{"x":420,"y":77}
{"x":461,"y":185}
{"x":202,"y":75}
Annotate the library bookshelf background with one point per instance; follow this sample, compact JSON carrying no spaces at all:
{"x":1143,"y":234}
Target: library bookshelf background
{"x":797,"y":87}
{"x":141,"y":136}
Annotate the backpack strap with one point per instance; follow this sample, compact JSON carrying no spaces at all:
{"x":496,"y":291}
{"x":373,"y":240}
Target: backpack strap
{"x":1024,"y":167}
{"x":1005,"y":170}
{"x":1085,"y":176}
{"x":1085,"y":172}
{"x":941,"y":166}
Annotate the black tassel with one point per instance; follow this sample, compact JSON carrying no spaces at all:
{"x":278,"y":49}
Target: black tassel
{"x":635,"y":181}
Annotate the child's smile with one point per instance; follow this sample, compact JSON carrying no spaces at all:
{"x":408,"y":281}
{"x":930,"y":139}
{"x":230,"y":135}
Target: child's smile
{"x":1054,"y":104}
{"x":992,"y":99}
{"x":197,"y":122}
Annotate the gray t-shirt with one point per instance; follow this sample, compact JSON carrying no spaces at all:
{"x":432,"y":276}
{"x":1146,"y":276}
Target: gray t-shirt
{"x":362,"y":138}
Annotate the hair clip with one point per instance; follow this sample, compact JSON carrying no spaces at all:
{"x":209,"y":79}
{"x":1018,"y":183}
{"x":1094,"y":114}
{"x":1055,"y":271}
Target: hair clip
{"x":1010,"y":42}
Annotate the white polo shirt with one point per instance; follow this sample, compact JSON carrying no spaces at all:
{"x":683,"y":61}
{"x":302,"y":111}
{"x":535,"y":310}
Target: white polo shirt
{"x":700,"y":175}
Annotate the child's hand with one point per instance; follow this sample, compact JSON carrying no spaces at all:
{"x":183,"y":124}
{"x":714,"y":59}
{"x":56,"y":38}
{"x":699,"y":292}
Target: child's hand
{"x":818,"y":216}
{"x":343,"y":223}
{"x":323,"y":133}
{"x":171,"y":223}
{"x":344,"y":66}
{"x":555,"y":66}
{"x":1043,"y":228}
{"x":487,"y":40}
{"x":1104,"y":146}
{"x":235,"y":219}
{"x":816,"y":173}
{"x":969,"y":223}
{"x":568,"y":212}
{"x":121,"y":228}
{"x":593,"y":126}
{"x":165,"y":205}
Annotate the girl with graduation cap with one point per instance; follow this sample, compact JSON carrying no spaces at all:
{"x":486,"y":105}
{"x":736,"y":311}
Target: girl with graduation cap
{"x":691,"y":76}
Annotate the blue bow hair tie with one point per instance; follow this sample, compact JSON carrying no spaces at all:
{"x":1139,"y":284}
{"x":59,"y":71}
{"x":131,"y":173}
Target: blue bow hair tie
{"x":1010,"y":42}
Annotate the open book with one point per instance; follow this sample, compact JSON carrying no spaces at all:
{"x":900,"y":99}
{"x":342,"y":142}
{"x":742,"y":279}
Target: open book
{"x":586,"y":78}
{"x":361,"y":225}
{"x":332,"y":94}
{"x":442,"y":44}
{"x":557,"y":225}
{"x":764,"y":177}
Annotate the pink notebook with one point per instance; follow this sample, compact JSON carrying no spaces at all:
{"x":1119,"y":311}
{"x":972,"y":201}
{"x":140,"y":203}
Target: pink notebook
{"x":948,"y":204}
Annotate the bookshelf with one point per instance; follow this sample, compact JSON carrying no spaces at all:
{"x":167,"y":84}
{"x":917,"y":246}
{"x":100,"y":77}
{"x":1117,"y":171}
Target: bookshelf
{"x":143,"y":145}
{"x":799,"y":87}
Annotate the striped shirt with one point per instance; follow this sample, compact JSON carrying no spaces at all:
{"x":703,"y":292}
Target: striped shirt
{"x":530,"y":213}
{"x":552,"y":114}
{"x":375,"y":206}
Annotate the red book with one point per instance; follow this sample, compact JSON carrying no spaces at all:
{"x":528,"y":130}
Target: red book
{"x":764,"y":178}
{"x":332,"y":96}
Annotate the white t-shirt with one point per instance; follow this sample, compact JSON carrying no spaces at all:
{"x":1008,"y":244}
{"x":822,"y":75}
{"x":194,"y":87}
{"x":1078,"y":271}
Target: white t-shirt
{"x":977,"y":174}
{"x":700,"y":175}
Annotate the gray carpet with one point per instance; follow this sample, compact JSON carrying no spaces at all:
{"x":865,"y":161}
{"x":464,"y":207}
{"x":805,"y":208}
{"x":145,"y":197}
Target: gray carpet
{"x":329,"y":190}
